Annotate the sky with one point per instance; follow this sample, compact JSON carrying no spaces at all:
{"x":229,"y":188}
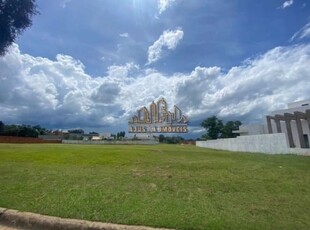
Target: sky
{"x":92,"y":64}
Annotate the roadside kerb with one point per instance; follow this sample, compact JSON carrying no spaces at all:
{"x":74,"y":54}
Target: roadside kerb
{"x":33,"y":221}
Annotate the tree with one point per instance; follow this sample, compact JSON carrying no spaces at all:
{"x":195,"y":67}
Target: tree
{"x":170,"y":140}
{"x":94,"y":133}
{"x":15,"y":17}
{"x":27,"y":131}
{"x":120,"y":135}
{"x":76,"y":131}
{"x":19,"y":131}
{"x":227,"y":131}
{"x":41,"y":131}
{"x":161,"y":138}
{"x":1,"y":127}
{"x":217,"y":129}
{"x":213,"y":126}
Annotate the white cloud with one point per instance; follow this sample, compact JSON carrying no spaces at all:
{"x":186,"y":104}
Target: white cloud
{"x":121,"y":72}
{"x":64,"y":3}
{"x":304,"y":32}
{"x":266,"y":83}
{"x":58,"y":93}
{"x":287,"y":4}
{"x":169,"y":39}
{"x":124,"y":35}
{"x":164,"y":4}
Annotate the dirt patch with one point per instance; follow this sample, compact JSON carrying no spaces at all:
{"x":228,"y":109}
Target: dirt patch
{"x":27,"y":220}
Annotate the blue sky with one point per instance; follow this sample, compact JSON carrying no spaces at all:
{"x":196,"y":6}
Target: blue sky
{"x":92,"y":63}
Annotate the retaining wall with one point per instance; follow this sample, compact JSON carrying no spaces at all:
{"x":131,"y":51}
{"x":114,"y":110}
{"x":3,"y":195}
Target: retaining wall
{"x":265,"y":143}
{"x":25,"y":140}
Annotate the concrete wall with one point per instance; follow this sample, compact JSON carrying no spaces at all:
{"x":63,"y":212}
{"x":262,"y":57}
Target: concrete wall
{"x":266,"y":143}
{"x":25,"y":140}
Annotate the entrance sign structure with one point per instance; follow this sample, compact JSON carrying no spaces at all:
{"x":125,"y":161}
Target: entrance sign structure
{"x":158,"y":119}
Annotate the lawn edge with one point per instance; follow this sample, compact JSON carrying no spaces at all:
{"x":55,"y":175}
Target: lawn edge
{"x":28,"y":220}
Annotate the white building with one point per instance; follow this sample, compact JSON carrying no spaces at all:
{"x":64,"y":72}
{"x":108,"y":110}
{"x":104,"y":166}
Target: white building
{"x":294,"y":122}
{"x":245,"y":130}
{"x":285,"y":131}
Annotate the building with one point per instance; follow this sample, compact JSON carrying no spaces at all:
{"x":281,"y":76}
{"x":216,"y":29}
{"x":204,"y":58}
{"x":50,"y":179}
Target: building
{"x":285,"y":131}
{"x":256,"y":129}
{"x":294,"y":122}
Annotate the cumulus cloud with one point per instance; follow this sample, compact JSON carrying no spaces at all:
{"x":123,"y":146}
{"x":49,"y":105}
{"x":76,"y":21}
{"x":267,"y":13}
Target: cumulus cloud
{"x":58,"y":93}
{"x":287,"y":4}
{"x":169,"y":39}
{"x":124,"y":35}
{"x":164,"y":4}
{"x":106,"y":93}
{"x":304,"y":32}
{"x":250,"y":91}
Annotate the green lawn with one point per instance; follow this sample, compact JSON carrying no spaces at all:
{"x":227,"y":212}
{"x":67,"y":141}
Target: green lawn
{"x":172,"y":186}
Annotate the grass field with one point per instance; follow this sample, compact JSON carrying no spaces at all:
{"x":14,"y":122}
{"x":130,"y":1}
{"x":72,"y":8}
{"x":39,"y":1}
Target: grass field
{"x":171,"y":186}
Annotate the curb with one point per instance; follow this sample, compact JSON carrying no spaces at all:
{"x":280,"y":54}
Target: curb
{"x":33,"y":221}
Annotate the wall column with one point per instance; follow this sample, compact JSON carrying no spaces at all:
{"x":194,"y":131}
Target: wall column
{"x":298,"y":117}
{"x":308,"y":117}
{"x":289,"y":129}
{"x":277,"y":119}
{"x":269,"y":124}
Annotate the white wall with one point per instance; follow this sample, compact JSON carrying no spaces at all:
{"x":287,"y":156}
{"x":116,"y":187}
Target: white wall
{"x":266,"y":143}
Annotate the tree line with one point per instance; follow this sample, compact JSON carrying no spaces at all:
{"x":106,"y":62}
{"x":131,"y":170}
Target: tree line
{"x":215,"y":127}
{"x":170,"y":139}
{"x":36,"y":130}
{"x":21,"y":130}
